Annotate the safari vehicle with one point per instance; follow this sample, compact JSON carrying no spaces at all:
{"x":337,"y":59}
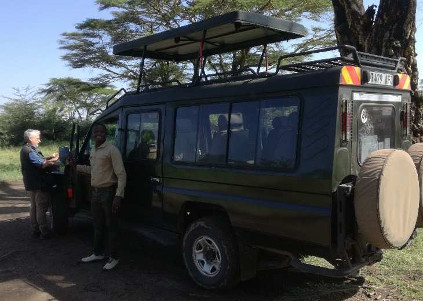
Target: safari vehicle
{"x":254,"y":166}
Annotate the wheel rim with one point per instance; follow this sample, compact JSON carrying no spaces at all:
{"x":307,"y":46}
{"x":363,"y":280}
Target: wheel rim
{"x":207,"y":256}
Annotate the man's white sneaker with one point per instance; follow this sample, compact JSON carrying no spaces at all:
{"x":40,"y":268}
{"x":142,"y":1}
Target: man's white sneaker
{"x":92,"y":258}
{"x":111,"y":263}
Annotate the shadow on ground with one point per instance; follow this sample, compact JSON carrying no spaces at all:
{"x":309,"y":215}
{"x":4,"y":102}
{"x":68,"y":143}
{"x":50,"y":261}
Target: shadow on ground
{"x":10,"y":190}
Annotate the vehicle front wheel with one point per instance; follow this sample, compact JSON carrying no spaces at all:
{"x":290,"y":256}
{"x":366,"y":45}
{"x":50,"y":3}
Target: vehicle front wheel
{"x":210,"y":253}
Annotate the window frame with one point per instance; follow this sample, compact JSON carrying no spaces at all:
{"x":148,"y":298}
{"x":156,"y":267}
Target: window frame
{"x":360,"y":107}
{"x":172,"y":153}
{"x":255,"y":166}
{"x":159,"y":133}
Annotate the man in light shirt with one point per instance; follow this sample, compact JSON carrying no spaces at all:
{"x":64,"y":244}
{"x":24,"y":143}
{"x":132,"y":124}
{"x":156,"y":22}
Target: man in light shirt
{"x":108,"y":180}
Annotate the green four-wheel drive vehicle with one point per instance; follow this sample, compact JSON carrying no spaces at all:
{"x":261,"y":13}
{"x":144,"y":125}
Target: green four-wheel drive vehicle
{"x":306,"y":158}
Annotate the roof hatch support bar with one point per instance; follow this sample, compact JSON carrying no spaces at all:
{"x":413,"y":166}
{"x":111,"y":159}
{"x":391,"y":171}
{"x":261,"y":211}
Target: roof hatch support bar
{"x":141,"y":69}
{"x":263,"y":54}
{"x":199,"y":66}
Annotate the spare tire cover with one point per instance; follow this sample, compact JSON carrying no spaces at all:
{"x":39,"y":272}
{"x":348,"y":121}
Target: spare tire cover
{"x":416,"y":153}
{"x":386,"y":198}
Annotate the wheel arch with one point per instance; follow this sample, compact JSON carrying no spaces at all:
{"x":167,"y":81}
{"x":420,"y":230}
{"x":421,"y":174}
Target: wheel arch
{"x":191,"y":211}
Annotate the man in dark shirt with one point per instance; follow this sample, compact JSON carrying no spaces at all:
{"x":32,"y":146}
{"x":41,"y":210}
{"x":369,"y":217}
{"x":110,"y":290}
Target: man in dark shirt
{"x":33,"y":167}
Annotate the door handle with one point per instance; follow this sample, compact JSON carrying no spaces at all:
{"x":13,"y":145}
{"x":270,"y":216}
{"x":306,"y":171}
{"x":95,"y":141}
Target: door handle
{"x":155,"y":181}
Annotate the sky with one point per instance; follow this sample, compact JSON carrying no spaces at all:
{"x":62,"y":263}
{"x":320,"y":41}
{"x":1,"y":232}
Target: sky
{"x":29,"y":35}
{"x":30,"y":31}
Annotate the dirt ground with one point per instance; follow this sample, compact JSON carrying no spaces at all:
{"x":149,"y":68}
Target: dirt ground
{"x":151,"y":267}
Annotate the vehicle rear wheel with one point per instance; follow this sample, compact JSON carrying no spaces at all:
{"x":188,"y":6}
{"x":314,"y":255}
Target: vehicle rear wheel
{"x":416,"y":153}
{"x":386,"y":198}
{"x":210,"y":253}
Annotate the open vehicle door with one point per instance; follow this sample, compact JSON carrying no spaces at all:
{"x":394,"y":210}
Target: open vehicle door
{"x":70,"y":168}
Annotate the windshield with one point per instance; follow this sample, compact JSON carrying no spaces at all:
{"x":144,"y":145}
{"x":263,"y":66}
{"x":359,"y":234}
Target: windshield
{"x":376,"y":129}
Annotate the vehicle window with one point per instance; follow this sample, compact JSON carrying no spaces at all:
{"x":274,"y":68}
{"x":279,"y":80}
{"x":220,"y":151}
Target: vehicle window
{"x":262,"y":134}
{"x":186,"y":134}
{"x":142,"y":136}
{"x":278,"y":133}
{"x":376,"y":129}
{"x":113,"y":133}
{"x":243,"y":133}
{"x":213,"y":133}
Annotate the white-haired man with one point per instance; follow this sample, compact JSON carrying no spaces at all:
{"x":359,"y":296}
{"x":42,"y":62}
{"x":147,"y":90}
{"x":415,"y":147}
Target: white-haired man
{"x":34,"y":172}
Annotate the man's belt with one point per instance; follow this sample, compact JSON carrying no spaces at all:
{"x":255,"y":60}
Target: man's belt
{"x":109,"y":188}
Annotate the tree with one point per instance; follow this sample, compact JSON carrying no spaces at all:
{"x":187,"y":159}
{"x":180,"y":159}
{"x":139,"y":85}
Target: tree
{"x":388,"y":32}
{"x":17,"y":115}
{"x":70,"y":98}
{"x":91,"y":44}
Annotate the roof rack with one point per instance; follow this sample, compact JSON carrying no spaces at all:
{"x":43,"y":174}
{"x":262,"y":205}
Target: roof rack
{"x":113,"y":97}
{"x":350,"y":56}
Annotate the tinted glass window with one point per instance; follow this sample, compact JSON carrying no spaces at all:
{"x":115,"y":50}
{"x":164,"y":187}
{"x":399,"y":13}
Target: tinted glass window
{"x":243,"y":133}
{"x":376,"y":129}
{"x":278,"y":127}
{"x":186,"y":134}
{"x":213,"y":133}
{"x":262,"y":134}
{"x":142,"y":136}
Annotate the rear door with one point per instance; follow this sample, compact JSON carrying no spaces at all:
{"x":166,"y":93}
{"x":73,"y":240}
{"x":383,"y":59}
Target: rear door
{"x":142,"y":154}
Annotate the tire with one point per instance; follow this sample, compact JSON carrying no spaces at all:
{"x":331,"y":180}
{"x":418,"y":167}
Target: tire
{"x":59,"y":213}
{"x":416,"y":153}
{"x":215,"y":265}
{"x":386,"y":199}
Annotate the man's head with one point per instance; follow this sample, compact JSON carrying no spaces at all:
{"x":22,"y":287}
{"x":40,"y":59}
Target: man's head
{"x":32,"y":137}
{"x":99,"y":133}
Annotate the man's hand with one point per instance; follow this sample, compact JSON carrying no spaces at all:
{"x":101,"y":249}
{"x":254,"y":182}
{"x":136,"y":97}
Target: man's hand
{"x":53,"y":159}
{"x":116,"y":204}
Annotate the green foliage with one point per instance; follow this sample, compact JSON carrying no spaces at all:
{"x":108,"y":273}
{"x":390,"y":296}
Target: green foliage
{"x":52,"y":110}
{"x":71,"y":98}
{"x":90,"y":46}
{"x":17,"y":115}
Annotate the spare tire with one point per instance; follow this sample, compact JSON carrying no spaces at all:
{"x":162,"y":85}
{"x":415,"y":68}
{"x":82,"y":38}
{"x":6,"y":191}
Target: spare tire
{"x":386,"y":198}
{"x":416,"y":153}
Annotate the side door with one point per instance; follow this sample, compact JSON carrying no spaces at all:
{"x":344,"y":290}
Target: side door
{"x":142,"y":155}
{"x":82,"y":189}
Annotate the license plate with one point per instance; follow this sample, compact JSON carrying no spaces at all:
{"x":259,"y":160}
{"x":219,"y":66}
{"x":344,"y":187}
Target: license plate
{"x":378,"y":78}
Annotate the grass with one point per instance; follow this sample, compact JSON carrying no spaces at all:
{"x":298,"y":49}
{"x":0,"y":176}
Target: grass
{"x":401,"y":270}
{"x":399,"y":276}
{"x":10,"y":165}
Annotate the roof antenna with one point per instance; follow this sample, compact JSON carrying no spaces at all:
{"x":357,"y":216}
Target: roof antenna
{"x":141,"y":69}
{"x":263,"y":54}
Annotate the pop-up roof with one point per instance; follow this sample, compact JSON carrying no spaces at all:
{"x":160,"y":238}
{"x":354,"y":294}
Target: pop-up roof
{"x":225,"y":33}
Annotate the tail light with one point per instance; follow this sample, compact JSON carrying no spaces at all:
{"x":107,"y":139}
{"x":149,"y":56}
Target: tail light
{"x":346,"y":121}
{"x":70,"y":193}
{"x":406,"y":120}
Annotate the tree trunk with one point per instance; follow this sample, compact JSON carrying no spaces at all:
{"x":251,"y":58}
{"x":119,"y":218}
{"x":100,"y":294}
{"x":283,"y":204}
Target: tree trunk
{"x":390,"y":33}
